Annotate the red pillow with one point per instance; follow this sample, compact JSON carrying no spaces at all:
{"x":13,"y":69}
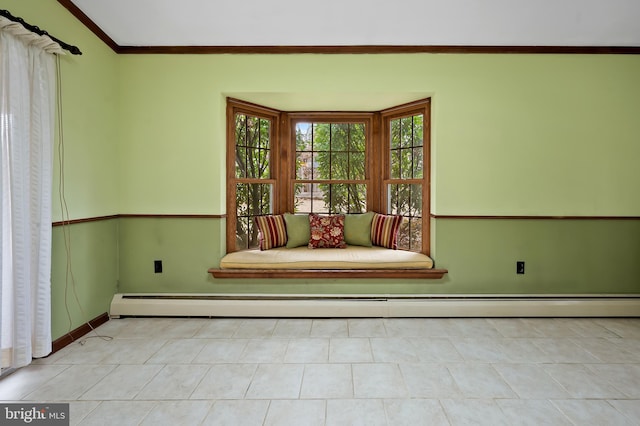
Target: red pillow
{"x":272,"y":231}
{"x":326,"y":231}
{"x":384,"y":230}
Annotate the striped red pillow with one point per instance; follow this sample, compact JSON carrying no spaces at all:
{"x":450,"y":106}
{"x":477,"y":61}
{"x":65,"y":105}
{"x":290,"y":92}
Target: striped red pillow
{"x":384,"y":230}
{"x":272,"y":231}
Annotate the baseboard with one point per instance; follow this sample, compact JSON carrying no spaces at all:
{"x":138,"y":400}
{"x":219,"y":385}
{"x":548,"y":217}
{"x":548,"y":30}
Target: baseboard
{"x":74,"y":335}
{"x":381,"y":306}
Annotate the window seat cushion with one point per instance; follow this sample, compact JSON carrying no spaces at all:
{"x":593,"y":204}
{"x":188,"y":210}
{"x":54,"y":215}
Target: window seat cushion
{"x":352,"y":257}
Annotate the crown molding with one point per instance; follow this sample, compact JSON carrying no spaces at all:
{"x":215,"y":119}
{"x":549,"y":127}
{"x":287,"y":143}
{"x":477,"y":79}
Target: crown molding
{"x":344,"y":49}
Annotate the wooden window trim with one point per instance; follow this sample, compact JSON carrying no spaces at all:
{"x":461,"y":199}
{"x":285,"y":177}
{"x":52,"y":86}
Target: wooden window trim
{"x":235,"y":106}
{"x":283,"y":157}
{"x":418,"y":107}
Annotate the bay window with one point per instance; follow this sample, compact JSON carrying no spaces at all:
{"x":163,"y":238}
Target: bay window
{"x":328,"y":163}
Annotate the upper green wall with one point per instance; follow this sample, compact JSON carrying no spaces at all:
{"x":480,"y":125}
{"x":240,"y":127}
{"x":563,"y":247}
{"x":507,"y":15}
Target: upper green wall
{"x":89,"y":104}
{"x":512,"y":134}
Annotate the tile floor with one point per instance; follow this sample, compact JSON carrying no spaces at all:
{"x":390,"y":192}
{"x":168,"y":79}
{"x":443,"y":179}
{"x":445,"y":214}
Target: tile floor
{"x":234,"y":371}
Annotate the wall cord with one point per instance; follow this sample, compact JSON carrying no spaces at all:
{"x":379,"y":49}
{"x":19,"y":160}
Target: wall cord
{"x":70,"y":281}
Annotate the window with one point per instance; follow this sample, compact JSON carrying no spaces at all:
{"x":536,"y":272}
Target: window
{"x":406,"y":186}
{"x":330,"y":167}
{"x":327,"y":163}
{"x":251,"y":187}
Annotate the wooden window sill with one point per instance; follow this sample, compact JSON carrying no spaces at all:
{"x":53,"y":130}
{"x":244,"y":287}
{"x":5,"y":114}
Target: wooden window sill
{"x":328,"y":273}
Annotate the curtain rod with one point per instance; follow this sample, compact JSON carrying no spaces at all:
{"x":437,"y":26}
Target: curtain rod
{"x":73,"y":49}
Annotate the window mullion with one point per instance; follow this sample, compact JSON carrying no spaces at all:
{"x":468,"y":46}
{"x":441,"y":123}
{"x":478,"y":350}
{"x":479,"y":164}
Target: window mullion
{"x":413,"y":140}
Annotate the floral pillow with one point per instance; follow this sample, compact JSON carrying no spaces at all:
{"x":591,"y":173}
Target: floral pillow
{"x":326,"y":231}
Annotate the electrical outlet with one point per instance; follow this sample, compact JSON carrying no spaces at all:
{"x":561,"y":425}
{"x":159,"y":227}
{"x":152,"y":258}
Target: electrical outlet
{"x":157,"y":266}
{"x":520,"y":267}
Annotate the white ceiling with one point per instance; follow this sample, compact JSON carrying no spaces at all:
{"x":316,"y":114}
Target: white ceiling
{"x":367,"y":22}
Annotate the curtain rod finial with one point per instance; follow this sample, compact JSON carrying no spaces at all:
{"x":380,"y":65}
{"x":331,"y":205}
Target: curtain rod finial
{"x":73,"y":49}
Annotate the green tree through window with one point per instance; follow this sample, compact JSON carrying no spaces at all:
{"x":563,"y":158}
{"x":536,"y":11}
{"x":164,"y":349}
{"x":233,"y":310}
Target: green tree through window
{"x":407,"y":168}
{"x":330,"y":168}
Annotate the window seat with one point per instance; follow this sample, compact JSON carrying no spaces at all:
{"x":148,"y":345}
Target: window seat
{"x":351,"y":262}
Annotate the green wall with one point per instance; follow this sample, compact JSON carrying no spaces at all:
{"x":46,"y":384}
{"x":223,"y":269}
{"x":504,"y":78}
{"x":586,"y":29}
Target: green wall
{"x":523,"y":135}
{"x":512,"y":134}
{"x":186,"y":247}
{"x":526,"y":135}
{"x":89,"y":112}
{"x":85,"y":291}
{"x":561,"y":257}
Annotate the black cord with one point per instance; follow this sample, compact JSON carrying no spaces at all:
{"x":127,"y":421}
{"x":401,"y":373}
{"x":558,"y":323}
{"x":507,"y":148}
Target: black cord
{"x":73,"y":49}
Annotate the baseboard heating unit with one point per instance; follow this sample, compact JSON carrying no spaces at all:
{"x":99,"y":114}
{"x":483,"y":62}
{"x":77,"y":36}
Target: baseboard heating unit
{"x":372,"y":306}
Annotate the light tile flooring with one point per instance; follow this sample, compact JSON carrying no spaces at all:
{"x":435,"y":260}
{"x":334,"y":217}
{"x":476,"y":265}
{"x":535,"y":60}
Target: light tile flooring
{"x":234,"y":371}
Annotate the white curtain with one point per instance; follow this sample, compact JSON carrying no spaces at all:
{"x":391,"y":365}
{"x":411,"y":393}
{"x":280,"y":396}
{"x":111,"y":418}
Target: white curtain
{"x":27,"y":113}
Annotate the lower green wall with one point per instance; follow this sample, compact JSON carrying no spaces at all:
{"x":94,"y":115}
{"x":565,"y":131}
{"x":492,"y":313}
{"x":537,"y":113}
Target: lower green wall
{"x":187,"y":247}
{"x":94,"y":263}
{"x":561,"y":257}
